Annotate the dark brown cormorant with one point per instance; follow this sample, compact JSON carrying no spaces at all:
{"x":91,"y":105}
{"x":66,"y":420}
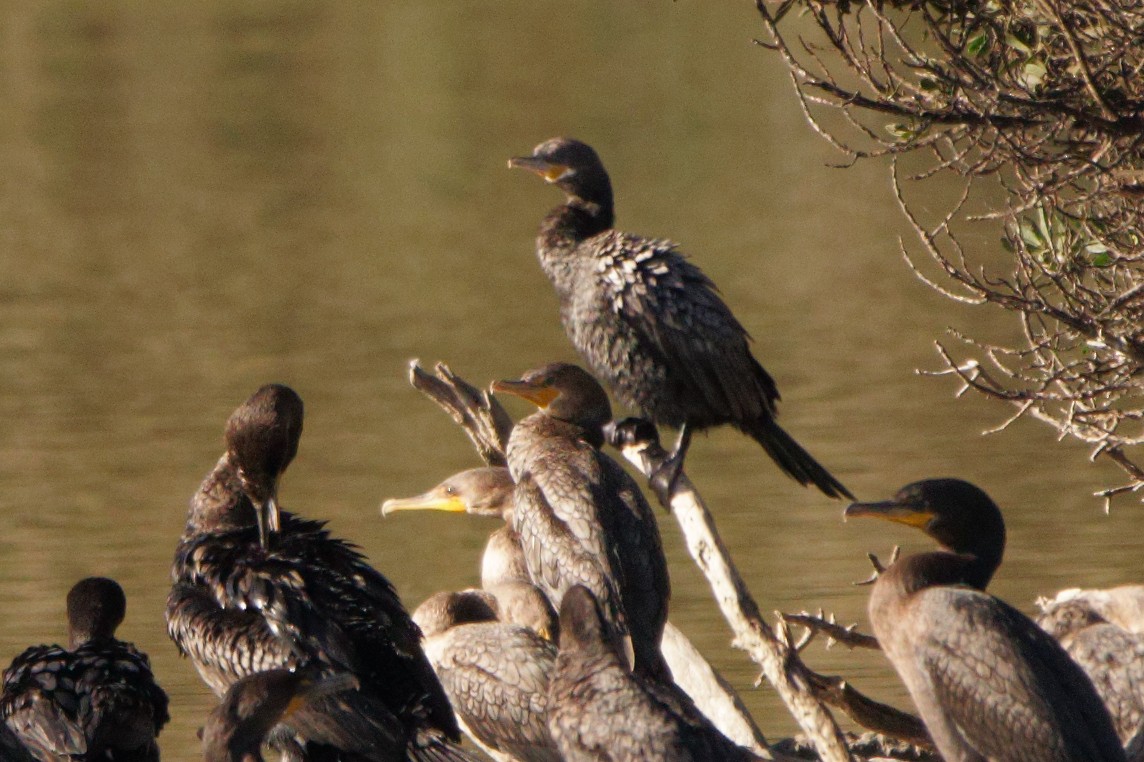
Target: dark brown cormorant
{"x":304,"y":600}
{"x":488,"y":492}
{"x":1087,"y":625}
{"x":496,"y":674}
{"x":598,"y":711}
{"x":651,"y":324}
{"x":581,"y":518}
{"x":237,"y":728}
{"x":95,"y":699}
{"x":988,"y":682}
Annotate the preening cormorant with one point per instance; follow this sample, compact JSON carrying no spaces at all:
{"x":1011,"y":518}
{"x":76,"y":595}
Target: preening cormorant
{"x":488,"y":491}
{"x":1092,"y":628}
{"x":990,"y":684}
{"x":496,"y":674}
{"x":581,"y":518}
{"x":94,"y":700}
{"x":651,"y":324}
{"x":598,"y":711}
{"x":302,"y":600}
{"x":237,"y":728}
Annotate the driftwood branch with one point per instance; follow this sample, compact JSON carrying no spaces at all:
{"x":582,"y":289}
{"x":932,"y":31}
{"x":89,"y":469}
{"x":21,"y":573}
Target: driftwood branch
{"x":835,"y":632}
{"x":778,"y":660}
{"x":871,"y":714}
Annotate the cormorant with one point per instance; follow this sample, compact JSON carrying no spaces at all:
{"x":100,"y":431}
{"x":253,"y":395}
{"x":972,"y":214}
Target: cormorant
{"x":94,"y":700}
{"x":488,"y":491}
{"x":237,"y":728}
{"x":600,"y":712}
{"x":1089,"y":627}
{"x":581,"y":518}
{"x":496,"y":674}
{"x":651,"y":324}
{"x":304,"y":600}
{"x":990,"y":684}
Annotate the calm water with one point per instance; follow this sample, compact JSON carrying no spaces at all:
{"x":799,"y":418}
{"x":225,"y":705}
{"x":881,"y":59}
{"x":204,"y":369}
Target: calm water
{"x":199,"y":198}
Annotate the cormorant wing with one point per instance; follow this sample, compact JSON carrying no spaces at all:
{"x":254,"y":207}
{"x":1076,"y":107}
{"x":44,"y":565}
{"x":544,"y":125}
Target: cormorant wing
{"x":1007,"y":687}
{"x":496,"y":675}
{"x":1113,"y":658}
{"x":561,"y":535}
{"x":32,"y":708}
{"x":679,"y":312}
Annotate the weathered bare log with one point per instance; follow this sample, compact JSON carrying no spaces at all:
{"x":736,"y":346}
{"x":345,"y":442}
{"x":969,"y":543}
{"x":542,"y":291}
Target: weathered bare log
{"x":639,"y":443}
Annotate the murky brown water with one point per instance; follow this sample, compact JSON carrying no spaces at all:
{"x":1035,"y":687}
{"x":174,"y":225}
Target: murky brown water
{"x":196,"y":199}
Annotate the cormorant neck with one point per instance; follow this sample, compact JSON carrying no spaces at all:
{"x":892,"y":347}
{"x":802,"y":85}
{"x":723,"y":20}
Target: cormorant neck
{"x":220,"y":503}
{"x":574,"y":221}
{"x":541,"y":424}
{"x":940,"y":568}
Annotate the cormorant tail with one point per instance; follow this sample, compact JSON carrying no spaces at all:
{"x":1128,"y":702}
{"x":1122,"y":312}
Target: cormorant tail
{"x":789,"y":455}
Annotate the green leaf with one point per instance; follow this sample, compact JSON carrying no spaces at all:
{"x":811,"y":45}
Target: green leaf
{"x":976,"y":45}
{"x":1033,"y":74}
{"x":1017,"y":44}
{"x":1102,"y":260}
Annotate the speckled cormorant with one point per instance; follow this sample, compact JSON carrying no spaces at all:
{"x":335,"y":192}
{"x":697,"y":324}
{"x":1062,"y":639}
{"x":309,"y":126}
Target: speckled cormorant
{"x":96,"y":699}
{"x":580,"y":517}
{"x":488,"y":491}
{"x":650,"y":323}
{"x":1087,"y":625}
{"x":496,"y":674}
{"x":988,"y":682}
{"x":237,"y":728}
{"x":600,"y":712}
{"x":307,"y":601}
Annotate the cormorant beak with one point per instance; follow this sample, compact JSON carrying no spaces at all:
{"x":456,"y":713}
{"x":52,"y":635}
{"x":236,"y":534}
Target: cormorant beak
{"x":433,"y":500}
{"x":546,"y":169}
{"x":266,"y":514}
{"x":311,"y":689}
{"x":540,"y":395}
{"x":891,"y":510}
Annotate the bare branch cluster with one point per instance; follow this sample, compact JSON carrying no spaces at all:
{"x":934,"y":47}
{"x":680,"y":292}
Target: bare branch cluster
{"x":1036,"y":107}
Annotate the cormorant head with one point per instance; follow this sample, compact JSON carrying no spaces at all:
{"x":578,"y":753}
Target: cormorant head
{"x":582,"y":624}
{"x":572,"y":166}
{"x":478,"y":491}
{"x":238,"y":726}
{"x":565,"y":392}
{"x":959,"y":515}
{"x":261,"y":439}
{"x":523,"y":604}
{"x":96,"y":607}
{"x":444,"y":610}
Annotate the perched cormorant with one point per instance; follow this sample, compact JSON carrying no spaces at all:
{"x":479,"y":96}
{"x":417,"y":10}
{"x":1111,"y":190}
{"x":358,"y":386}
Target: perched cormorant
{"x":237,"y":728}
{"x":1090,"y":625}
{"x":650,"y":323}
{"x":304,"y":600}
{"x":488,"y":491}
{"x":95,"y":699}
{"x":581,"y":518}
{"x":990,"y":684}
{"x":495,"y":673}
{"x":600,"y":712}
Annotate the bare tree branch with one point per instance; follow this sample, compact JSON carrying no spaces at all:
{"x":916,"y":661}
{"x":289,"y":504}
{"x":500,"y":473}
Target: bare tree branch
{"x":1044,"y":103}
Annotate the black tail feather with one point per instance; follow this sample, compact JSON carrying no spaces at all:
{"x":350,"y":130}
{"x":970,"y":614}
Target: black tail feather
{"x":789,"y":455}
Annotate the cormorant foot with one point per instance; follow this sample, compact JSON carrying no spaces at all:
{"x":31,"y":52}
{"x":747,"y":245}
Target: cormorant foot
{"x":629,"y":432}
{"x":666,"y":475}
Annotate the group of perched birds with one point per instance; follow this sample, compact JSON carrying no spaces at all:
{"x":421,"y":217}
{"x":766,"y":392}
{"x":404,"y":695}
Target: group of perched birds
{"x":558,"y":654}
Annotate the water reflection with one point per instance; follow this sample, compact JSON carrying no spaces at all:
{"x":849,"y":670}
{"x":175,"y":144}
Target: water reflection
{"x":198,"y":199}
